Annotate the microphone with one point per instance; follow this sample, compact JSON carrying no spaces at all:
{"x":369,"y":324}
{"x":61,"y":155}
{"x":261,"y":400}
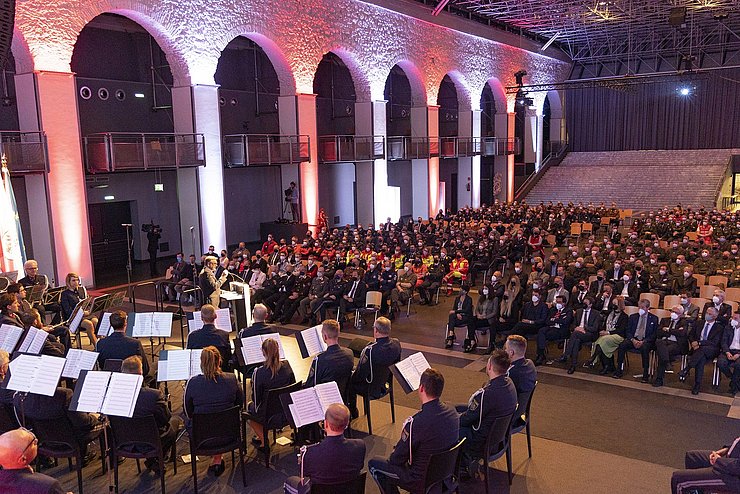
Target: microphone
{"x":126,"y":224}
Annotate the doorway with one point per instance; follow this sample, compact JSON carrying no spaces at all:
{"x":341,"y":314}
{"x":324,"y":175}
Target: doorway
{"x":108,"y":239}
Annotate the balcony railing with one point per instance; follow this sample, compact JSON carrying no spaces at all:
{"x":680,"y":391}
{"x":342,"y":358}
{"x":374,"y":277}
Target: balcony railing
{"x":242,"y":150}
{"x":459,"y":147}
{"x":412,"y":148}
{"x":124,"y":152}
{"x":349,"y":148}
{"x":500,"y":146}
{"x":25,"y":151}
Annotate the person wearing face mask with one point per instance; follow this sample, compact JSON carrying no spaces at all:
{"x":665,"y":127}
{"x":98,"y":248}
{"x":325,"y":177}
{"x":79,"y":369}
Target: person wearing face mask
{"x":388,"y":280}
{"x":404,"y":289}
{"x":734,"y":278}
{"x":662,"y":283}
{"x":333,"y":295}
{"x":642,"y":329}
{"x":615,"y":273}
{"x":728,"y":361}
{"x":627,"y":288}
{"x":671,"y":342}
{"x":705,"y":231}
{"x":484,"y":314}
{"x":175,"y":273}
{"x":480,"y":261}
{"x":557,"y":326}
{"x":372,"y":276}
{"x":724,"y":310}
{"x":458,"y":271}
{"x":579,"y":294}
{"x":534,"y":316}
{"x":309,"y":305}
{"x":704,"y":341}
{"x":431,"y":283}
{"x":686,"y":282}
{"x":610,"y":337}
{"x":585,"y":329}
{"x":578,"y":270}
{"x":725,"y":265}
{"x":596,"y":287}
{"x":353,"y":296}
{"x":690,"y":309}
{"x":705,"y":265}
{"x":558,"y":291}
{"x":460,"y":315}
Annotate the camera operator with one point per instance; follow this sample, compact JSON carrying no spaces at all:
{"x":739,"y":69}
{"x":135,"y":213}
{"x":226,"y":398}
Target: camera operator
{"x":153,"y":234}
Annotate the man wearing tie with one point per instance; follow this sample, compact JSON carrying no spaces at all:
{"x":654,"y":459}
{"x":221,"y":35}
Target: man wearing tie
{"x":728,"y":361}
{"x":672,"y":341}
{"x":354,"y":296}
{"x":641,"y":333}
{"x":558,"y":322}
{"x":704,"y":340}
{"x":588,"y":323}
{"x":460,"y":315}
{"x":709,"y":469}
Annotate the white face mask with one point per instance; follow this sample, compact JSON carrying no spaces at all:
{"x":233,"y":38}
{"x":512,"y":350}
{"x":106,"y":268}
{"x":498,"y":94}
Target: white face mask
{"x":517,"y":270}
{"x":715,"y":299}
{"x":535,"y":298}
{"x":578,"y":264}
{"x":734,"y":323}
{"x":494,"y":279}
{"x":559,"y":306}
{"x":684,"y":301}
{"x":485,"y":292}
{"x":642,"y":312}
{"x":535,"y":286}
{"x":617,"y":266}
{"x":674,"y":316}
{"x":686,"y":274}
{"x":626,"y":278}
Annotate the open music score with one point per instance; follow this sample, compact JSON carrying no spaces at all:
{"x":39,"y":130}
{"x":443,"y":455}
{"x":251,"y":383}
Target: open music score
{"x":309,"y":405}
{"x":77,"y":315}
{"x":223,"y":320}
{"x":77,"y":361}
{"x":104,"y":327}
{"x":310,"y":341}
{"x":178,"y":365}
{"x":409,"y":370}
{"x":109,"y":393}
{"x":150,"y":324}
{"x":251,"y":348}
{"x":34,"y":341}
{"x":37,"y":374}
{"x":9,"y":336}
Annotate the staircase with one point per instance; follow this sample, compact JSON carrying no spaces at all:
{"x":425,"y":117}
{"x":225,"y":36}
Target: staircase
{"x":638,"y":180}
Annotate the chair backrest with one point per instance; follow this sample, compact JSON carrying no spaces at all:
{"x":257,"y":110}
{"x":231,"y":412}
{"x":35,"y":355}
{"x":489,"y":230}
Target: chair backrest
{"x":591,"y":279}
{"x":707,"y":291}
{"x":354,"y":486}
{"x":718,"y":280}
{"x":499,"y":436}
{"x":373,"y":299}
{"x":671,"y":300}
{"x":732,"y":294}
{"x":631,"y":309}
{"x":113,"y":365}
{"x":575,"y":228}
{"x":587,"y":228}
{"x":699,"y":302}
{"x":692,"y":236}
{"x":8,"y":421}
{"x":605,"y":220}
{"x":523,"y":408}
{"x":273,"y":412}
{"x":700,"y":279}
{"x":654,"y":298}
{"x":216,"y":429}
{"x":661,"y":313}
{"x":56,"y":436}
{"x":141,"y":434}
{"x":443,"y":465}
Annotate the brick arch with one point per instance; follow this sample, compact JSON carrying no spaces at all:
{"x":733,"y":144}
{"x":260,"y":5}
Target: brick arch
{"x":359,"y":77}
{"x":464,"y":101}
{"x":416,"y":81}
{"x":499,"y":94}
{"x":21,"y":53}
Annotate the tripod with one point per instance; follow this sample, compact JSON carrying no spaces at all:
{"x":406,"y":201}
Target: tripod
{"x":287,"y":209}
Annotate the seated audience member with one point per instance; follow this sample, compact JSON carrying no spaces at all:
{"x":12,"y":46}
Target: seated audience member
{"x":375,"y":359}
{"x":534,"y":316}
{"x":671,"y":342}
{"x":510,"y":307}
{"x":690,"y":309}
{"x":610,"y":337}
{"x":708,"y":470}
{"x":704,"y":342}
{"x":119,"y":346}
{"x":586,"y":326}
{"x":334,"y":460}
{"x":333,"y":364}
{"x":404,"y":289}
{"x":433,"y":429}
{"x":557,"y":327}
{"x":627,"y":288}
{"x":522,"y":372}
{"x":724,"y":310}
{"x":52,"y":346}
{"x":460,"y":315}
{"x":728,"y":361}
{"x":497,"y":398}
{"x":559,"y":290}
{"x":152,"y":402}
{"x":274,"y":373}
{"x":484,"y":315}
{"x":212,"y":391}
{"x":353,"y":296}
{"x":686,"y":282}
{"x":642,"y":329}
{"x":458,"y":271}
{"x":70,"y":298}
{"x":180,"y":275}
{"x":210,"y":335}
{"x":9,"y":310}
{"x":662,"y":283}
{"x":605,"y":300}
{"x":310,"y":304}
{"x":18,"y":449}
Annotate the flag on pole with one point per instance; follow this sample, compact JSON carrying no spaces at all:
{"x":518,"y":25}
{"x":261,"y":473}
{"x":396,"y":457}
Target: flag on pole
{"x":13,"y":253}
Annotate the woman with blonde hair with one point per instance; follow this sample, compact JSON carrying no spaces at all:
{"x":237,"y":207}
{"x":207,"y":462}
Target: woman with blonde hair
{"x":610,"y":336}
{"x":274,"y":373}
{"x":70,"y":298}
{"x":212,"y":391}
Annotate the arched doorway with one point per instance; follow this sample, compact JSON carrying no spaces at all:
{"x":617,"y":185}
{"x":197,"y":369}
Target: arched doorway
{"x":448,"y":127}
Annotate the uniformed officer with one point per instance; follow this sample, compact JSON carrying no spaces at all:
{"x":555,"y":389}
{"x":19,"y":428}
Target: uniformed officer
{"x":374,"y":359}
{"x":406,"y":281}
{"x":388,"y":279}
{"x":431,"y":430}
{"x":496,"y":399}
{"x":333,"y":364}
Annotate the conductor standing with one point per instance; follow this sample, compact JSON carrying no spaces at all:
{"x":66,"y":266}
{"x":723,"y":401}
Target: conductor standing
{"x":153,"y":235}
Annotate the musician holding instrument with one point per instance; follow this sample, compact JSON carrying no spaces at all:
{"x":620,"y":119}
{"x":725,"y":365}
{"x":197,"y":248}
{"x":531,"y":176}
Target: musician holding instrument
{"x":70,"y":298}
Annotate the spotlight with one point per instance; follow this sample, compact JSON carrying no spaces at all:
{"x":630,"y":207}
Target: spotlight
{"x":519,"y":76}
{"x":139,"y":95}
{"x":684,"y":91}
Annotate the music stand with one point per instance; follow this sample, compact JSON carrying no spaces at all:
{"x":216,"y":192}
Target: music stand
{"x":99,"y":303}
{"x":34,"y":294}
{"x":53,"y":295}
{"x":115,"y":300}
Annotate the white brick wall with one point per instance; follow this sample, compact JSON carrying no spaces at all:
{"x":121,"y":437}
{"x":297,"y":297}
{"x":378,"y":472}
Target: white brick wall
{"x":295,"y":34}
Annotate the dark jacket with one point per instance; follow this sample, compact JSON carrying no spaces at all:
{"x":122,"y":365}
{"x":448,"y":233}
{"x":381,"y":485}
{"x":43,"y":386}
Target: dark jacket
{"x":496,"y":399}
{"x":263,"y":381}
{"x":592,"y":324}
{"x":335,"y":364}
{"x":725,"y":312}
{"x":334,"y":460}
{"x":727,"y":336}
{"x":120,"y":346}
{"x":678,"y":329}
{"x":714,"y":338}
{"x":535,"y":313}
{"x":374,"y":362}
{"x":651,"y":326}
{"x":41,"y":407}
{"x":25,"y":481}
{"x":466,"y":310}
{"x":203,"y":395}
{"x":257,"y":329}
{"x":209,"y":335}
{"x":152,"y":402}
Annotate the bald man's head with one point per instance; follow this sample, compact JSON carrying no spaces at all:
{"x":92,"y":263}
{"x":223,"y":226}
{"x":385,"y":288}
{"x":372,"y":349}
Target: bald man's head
{"x":18,"y":449}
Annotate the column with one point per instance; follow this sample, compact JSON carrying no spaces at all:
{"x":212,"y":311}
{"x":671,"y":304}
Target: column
{"x":288,"y":122}
{"x":420,"y":167}
{"x":386,"y":200}
{"x":364,"y":180}
{"x":530,"y":137}
{"x":309,"y":172}
{"x":465,"y":164}
{"x":503,"y":165}
{"x":540,"y":119}
{"x":475,"y":172}
{"x":200,"y":191}
{"x":48,"y":101}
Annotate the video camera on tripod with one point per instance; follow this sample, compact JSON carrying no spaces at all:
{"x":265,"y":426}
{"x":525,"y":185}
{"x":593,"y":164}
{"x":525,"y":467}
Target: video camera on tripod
{"x":151,"y":227}
{"x":288,"y":193}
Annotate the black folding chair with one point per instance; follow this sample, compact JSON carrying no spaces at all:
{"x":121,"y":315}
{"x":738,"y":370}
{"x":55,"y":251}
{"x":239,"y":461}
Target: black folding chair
{"x":113,"y":365}
{"x":442,"y":471}
{"x":138,"y":438}
{"x":273,"y":418}
{"x":214,"y":434}
{"x":381,"y":374}
{"x":523,"y":421}
{"x":498,"y":443}
{"x":354,"y":486}
{"x":8,"y":422}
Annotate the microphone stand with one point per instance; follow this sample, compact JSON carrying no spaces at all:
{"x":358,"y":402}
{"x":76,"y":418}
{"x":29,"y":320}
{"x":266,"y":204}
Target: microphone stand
{"x":129,"y":267}
{"x":107,"y":452}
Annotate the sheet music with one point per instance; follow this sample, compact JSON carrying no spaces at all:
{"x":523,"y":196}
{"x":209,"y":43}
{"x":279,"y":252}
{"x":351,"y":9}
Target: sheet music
{"x":195,"y":362}
{"x":34,"y":341}
{"x":195,"y":323}
{"x":35,"y":374}
{"x":223,"y":321}
{"x":152,"y":324}
{"x":412,"y":367}
{"x":105,"y":329}
{"x":22,"y":372}
{"x":9,"y":336}
{"x":76,"y":319}
{"x":252,"y":347}
{"x":93,"y":391}
{"x":123,"y":391}
{"x":313,"y":340}
{"x":328,"y":393}
{"x":306,"y":408}
{"x":78,"y":360}
{"x":178,"y":365}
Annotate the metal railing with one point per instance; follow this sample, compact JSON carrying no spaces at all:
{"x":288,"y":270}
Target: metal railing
{"x":412,"y":148}
{"x":241,"y":150}
{"x":459,"y":147}
{"x":557,"y":151}
{"x":25,"y":151}
{"x":500,"y":146}
{"x":348,"y":148}
{"x":121,"y":152}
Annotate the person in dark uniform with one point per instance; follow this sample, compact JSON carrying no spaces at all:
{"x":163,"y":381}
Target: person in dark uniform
{"x":259,"y":326}
{"x":433,"y":429}
{"x":709,"y":469}
{"x":18,"y":449}
{"x":704,"y":340}
{"x":559,"y":319}
{"x":9,"y":307}
{"x":212,"y":391}
{"x":522,"y":372}
{"x":119,"y":346}
{"x":210,"y":335}
{"x":672,"y":340}
{"x":587,"y":324}
{"x":153,"y":234}
{"x":353,"y":296}
{"x":274,"y":373}
{"x":497,"y":398}
{"x":33,"y":278}
{"x":374,"y":362}
{"x":334,"y":460}
{"x":333,"y":364}
{"x":642,"y":329}
{"x":728,"y":361}
{"x":52,"y":345}
{"x":460,"y":315}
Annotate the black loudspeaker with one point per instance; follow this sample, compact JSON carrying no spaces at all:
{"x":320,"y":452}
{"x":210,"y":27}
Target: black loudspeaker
{"x":736,"y":163}
{"x":7,"y":18}
{"x":677,"y":16}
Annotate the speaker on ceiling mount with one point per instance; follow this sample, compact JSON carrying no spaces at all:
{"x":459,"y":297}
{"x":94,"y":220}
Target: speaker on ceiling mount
{"x":7,"y":19}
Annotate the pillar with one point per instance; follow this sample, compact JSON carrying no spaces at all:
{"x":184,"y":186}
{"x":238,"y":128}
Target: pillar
{"x":465,"y":164}
{"x":503,"y":166}
{"x":288,"y":122}
{"x":386,"y":200}
{"x":475,"y":160}
{"x":364,"y":181}
{"x":425,"y":172}
{"x":540,"y":120}
{"x":309,"y":171}
{"x":48,"y":101}
{"x":530,"y":137}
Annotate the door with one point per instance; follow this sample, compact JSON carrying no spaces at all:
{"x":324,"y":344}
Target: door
{"x":108,"y":238}
{"x":453,"y":192}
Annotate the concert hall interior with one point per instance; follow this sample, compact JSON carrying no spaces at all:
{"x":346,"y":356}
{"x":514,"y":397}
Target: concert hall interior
{"x":233,"y":226}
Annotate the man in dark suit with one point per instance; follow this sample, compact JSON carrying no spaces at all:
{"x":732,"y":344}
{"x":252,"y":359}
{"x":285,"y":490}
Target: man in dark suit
{"x":672,"y":340}
{"x":119,"y":346}
{"x":642,"y":329}
{"x":353,"y":295}
{"x":709,"y":469}
{"x":460,"y":315}
{"x":559,"y":319}
{"x":210,"y":335}
{"x":522,"y":372}
{"x":615,"y":273}
{"x":374,"y":362}
{"x":333,"y":364}
{"x":496,"y":399}
{"x":586,"y":326}
{"x":152,"y":402}
{"x":724,"y":311}
{"x":259,"y":326}
{"x":704,"y":340}
{"x":627,"y":288}
{"x":18,"y":449}
{"x":596,"y":287}
{"x":334,"y":460}
{"x":728,"y":361}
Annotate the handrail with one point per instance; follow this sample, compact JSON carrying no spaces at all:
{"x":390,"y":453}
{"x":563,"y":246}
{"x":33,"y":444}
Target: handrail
{"x":25,"y":151}
{"x":552,"y":159}
{"x":243,"y":150}
{"x":108,"y":152}
{"x":351,"y":148}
